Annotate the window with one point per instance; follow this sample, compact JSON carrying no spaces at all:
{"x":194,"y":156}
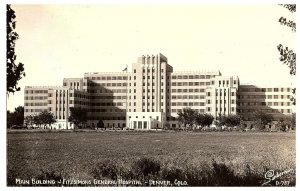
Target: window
{"x":134,"y":71}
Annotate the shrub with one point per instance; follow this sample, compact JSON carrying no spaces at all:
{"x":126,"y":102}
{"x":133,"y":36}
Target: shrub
{"x":52,"y":175}
{"x":147,"y":166}
{"x":172,"y":173}
{"x":106,"y":169}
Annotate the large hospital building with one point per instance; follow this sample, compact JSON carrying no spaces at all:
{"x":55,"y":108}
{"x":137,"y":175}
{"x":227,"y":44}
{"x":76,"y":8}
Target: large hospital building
{"x":150,"y":95}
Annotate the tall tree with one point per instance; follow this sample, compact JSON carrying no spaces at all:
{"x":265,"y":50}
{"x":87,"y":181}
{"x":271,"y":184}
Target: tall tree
{"x":263,"y":118}
{"x":14,"y":71}
{"x":187,"y":116}
{"x":47,"y":118}
{"x":100,"y":124}
{"x":28,"y":121}
{"x":15,"y":118}
{"x":288,"y":56}
{"x":78,"y":116}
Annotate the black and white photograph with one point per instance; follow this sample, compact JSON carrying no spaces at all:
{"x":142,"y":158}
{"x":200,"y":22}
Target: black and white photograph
{"x":151,"y":95}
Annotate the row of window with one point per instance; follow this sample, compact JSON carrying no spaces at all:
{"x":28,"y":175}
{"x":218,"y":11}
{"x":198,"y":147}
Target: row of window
{"x":99,"y":97}
{"x":77,"y":95}
{"x":153,"y":84}
{"x":190,"y":83}
{"x":109,"y":84}
{"x":264,"y":89}
{"x":225,"y":82}
{"x":98,"y":103}
{"x":265,"y":103}
{"x":187,"y":90}
{"x":149,"y":77}
{"x":224,"y":94}
{"x":223,"y":101}
{"x":178,"y":110}
{"x":220,"y":109}
{"x":72,"y":84}
{"x":252,"y":111}
{"x":36,"y":97}
{"x":192,"y":76}
{"x":264,"y":96}
{"x":35,"y":110}
{"x":188,"y":97}
{"x":107,"y":91}
{"x":188,"y":104}
{"x":107,"y":78}
{"x":37,"y":104}
{"x":36,"y":91}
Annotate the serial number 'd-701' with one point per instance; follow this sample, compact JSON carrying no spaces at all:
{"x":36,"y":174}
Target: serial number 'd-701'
{"x":283,"y":183}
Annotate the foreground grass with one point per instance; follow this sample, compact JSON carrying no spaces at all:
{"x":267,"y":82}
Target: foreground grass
{"x":194,"y":157}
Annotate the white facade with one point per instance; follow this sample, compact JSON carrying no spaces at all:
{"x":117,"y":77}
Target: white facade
{"x":145,"y":120}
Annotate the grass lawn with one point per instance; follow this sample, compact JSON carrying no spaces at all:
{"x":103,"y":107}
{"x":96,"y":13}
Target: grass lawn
{"x":75,"y":155}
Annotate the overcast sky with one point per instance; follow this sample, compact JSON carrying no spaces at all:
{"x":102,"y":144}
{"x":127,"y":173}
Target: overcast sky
{"x":61,"y":41}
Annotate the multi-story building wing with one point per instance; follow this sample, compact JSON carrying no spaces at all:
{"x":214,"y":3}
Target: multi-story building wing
{"x":190,"y":89}
{"x":151,"y":94}
{"x":48,"y":98}
{"x":273,"y":100}
{"x":107,"y":97}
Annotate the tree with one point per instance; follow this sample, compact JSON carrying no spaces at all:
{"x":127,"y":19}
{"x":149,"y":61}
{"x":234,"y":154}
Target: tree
{"x":233,"y":120}
{"x":15,"y":118}
{"x":208,"y":119}
{"x":78,"y":116}
{"x":14,"y":72}
{"x":287,"y":122}
{"x":10,"y":119}
{"x":288,"y":56}
{"x":28,"y":121}
{"x":263,"y":118}
{"x":203,"y":120}
{"x":100,"y":124}
{"x":47,"y":118}
{"x":200,"y":120}
{"x":37,"y":121}
{"x":293,"y":120}
{"x":187,"y":116}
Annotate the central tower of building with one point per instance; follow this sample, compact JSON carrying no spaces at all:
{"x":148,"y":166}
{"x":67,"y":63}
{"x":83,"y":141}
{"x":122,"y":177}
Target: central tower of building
{"x":149,"y":91}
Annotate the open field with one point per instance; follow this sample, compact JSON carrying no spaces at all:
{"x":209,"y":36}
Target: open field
{"x":75,"y":155}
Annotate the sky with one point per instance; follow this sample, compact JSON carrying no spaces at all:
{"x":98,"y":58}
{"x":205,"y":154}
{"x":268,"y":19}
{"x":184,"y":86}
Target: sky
{"x":61,"y":41}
